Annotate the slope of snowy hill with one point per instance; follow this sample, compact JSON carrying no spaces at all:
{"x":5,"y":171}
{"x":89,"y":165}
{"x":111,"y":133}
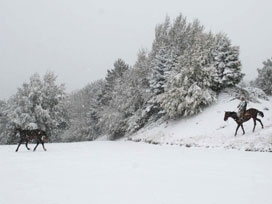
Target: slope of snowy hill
{"x":125,"y":172}
{"x":208,"y":129}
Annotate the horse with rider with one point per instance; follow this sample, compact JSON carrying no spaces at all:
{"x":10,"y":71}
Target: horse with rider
{"x":244,"y":115}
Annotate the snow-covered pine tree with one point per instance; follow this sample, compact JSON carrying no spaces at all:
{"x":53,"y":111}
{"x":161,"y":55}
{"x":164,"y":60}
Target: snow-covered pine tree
{"x":227,"y":63}
{"x":3,"y":108}
{"x":111,"y":79}
{"x":178,"y":34}
{"x":3,"y":122}
{"x":161,"y":38}
{"x":160,"y":68}
{"x":142,"y":69}
{"x":189,"y":86}
{"x":53,"y":104}
{"x":82,"y":110}
{"x":139,"y":88}
{"x":264,"y":78}
{"x":110,"y":117}
{"x":38,"y":104}
{"x":134,"y":96}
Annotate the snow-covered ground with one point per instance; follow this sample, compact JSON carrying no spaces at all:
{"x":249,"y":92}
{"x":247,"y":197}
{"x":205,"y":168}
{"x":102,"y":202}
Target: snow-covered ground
{"x":135,"y":173}
{"x":208,"y":129}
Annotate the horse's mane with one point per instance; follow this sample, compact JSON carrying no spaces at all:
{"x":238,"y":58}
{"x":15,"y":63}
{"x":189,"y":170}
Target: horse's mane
{"x":230,"y":111}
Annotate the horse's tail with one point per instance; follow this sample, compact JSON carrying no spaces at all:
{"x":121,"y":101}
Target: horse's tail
{"x":260,"y":113}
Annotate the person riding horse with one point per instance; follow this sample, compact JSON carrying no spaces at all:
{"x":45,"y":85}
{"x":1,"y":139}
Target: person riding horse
{"x":243,"y":115}
{"x":242,"y":108}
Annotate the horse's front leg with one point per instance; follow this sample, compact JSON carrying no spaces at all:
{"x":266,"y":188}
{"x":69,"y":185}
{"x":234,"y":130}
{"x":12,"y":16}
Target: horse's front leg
{"x":243,"y":129}
{"x":21,"y":141}
{"x":260,"y":122}
{"x":238,"y":125}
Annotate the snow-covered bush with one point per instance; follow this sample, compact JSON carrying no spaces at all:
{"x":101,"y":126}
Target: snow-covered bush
{"x":256,"y":93}
{"x":250,"y":93}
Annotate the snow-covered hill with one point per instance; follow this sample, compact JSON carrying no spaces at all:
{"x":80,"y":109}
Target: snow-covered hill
{"x":126,"y":172}
{"x":208,"y":129}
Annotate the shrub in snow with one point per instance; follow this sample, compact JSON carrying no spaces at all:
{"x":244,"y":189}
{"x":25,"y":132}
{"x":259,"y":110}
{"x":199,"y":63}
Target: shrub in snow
{"x":250,"y":93}
{"x":256,"y":93}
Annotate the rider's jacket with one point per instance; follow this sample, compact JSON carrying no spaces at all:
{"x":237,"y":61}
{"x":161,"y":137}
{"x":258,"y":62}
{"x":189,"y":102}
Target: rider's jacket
{"x":242,"y":107}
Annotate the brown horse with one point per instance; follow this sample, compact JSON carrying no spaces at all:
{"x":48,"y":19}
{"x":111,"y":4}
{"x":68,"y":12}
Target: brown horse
{"x":250,"y":113}
{"x":27,"y":135}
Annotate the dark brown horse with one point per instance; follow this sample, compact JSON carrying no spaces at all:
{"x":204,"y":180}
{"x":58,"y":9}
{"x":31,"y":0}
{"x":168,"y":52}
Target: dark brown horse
{"x":28,"y":135}
{"x":250,"y":113}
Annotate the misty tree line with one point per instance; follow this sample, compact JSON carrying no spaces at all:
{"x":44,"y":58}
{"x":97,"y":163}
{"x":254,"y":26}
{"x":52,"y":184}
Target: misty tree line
{"x":182,"y":74}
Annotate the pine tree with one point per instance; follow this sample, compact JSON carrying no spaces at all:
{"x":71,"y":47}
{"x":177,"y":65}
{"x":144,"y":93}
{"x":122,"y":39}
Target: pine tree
{"x":113,"y":75}
{"x":189,"y":86}
{"x":82,"y":110}
{"x":264,"y":78}
{"x":3,"y":121}
{"x":160,"y":69}
{"x":142,"y":69}
{"x":111,"y":115}
{"x":227,"y":63}
{"x":38,"y":105}
{"x":161,"y":38}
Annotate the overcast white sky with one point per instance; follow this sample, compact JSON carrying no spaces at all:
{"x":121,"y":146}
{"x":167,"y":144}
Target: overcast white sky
{"x":80,"y":39}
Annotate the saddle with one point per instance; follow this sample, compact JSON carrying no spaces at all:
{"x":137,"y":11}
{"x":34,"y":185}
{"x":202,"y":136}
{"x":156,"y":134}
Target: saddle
{"x":244,"y":115}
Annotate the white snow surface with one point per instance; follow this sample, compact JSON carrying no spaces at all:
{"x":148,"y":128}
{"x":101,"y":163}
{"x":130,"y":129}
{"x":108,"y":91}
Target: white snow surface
{"x":136,"y":173}
{"x":208,"y":129}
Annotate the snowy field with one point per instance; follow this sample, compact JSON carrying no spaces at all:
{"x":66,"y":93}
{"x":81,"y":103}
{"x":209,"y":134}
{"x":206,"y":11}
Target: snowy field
{"x":133,"y":173}
{"x":208,"y":129}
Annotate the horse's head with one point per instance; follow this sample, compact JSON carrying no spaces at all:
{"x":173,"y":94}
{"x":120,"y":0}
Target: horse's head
{"x":226,"y":116}
{"x":43,"y":135}
{"x":17,"y":130}
{"x":229,"y":114}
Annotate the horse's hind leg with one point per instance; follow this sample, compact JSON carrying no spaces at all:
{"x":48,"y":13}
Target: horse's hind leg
{"x":18,"y":146}
{"x":254,"y":120}
{"x":260,"y":122}
{"x":36,"y":146}
{"x":27,"y":145}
